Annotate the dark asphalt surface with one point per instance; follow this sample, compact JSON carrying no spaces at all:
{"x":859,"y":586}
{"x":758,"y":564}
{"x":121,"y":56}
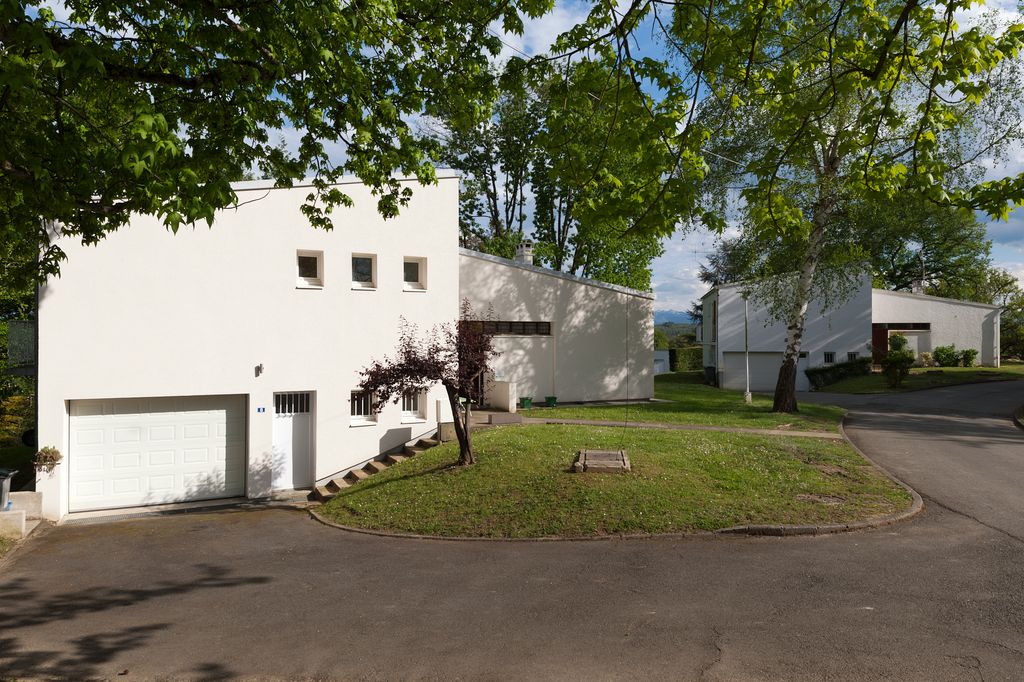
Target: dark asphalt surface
{"x":271,"y":594}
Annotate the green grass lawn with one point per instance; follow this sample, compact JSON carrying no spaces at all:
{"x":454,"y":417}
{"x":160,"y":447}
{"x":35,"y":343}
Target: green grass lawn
{"x":681,"y":481}
{"x":928,"y":377}
{"x":694,"y":403}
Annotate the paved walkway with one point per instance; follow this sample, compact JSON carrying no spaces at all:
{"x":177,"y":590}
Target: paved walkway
{"x":273,"y":595}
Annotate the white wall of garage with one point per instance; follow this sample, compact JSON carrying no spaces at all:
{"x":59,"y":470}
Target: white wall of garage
{"x":961,"y":323}
{"x":149,"y":314}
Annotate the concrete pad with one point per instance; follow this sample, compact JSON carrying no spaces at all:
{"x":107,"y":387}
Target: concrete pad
{"x":29,"y":501}
{"x":12,"y":524}
{"x":601,"y":461}
{"x":504,"y":418}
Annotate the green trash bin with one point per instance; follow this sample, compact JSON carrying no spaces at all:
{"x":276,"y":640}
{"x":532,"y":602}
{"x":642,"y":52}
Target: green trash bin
{"x":551,"y":401}
{"x":525,"y":403}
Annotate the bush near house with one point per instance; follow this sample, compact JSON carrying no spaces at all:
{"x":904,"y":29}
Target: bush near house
{"x":967,"y":357}
{"x":898,"y":361}
{"x":945,"y":356}
{"x":830,"y":374}
{"x":925,"y":359}
{"x":687,"y":359}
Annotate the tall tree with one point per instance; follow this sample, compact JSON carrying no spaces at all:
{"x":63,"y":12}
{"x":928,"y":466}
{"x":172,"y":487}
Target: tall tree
{"x":806,"y":106}
{"x":152,"y":108}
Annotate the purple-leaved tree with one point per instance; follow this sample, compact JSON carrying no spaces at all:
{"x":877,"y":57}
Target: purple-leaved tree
{"x":456,"y":354}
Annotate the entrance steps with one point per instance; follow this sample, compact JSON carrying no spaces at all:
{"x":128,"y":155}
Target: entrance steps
{"x":326,"y":491}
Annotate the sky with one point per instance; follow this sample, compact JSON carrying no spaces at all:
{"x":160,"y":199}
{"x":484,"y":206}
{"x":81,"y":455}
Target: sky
{"x":675,"y":273}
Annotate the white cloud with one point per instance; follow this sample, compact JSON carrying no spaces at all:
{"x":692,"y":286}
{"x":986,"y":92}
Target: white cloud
{"x":538,"y":34}
{"x":674,"y":276}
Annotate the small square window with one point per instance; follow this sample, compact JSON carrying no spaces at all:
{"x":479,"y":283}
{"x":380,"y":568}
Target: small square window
{"x":362,"y":408}
{"x":309,"y":266}
{"x":413,"y":403}
{"x":850,"y":357}
{"x":830,"y":358}
{"x":414,"y":274}
{"x":364,"y":271}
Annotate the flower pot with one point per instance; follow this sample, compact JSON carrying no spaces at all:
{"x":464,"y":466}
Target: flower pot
{"x":525,"y":403}
{"x":551,"y":401}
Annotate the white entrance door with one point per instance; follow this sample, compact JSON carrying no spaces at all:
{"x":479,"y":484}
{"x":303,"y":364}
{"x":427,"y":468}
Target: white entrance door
{"x":293,"y":441}
{"x":130,"y":452}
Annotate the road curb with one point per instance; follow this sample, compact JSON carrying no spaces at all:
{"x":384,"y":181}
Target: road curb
{"x":774,"y":530}
{"x":829,"y":528}
{"x":1018,"y":417}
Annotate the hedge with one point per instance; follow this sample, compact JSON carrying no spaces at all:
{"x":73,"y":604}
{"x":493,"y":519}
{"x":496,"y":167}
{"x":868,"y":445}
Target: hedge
{"x":830,"y":374}
{"x":688,"y":359}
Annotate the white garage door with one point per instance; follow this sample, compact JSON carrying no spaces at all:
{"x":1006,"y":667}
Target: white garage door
{"x":764,"y":372}
{"x":138,"y":451}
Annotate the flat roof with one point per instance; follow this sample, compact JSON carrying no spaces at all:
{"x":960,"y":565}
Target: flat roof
{"x":907,"y":294}
{"x":555,"y":273}
{"x":249,"y":185}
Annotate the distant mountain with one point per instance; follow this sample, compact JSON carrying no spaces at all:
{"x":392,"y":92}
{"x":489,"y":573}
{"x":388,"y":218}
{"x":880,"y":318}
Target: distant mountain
{"x":677,"y":316}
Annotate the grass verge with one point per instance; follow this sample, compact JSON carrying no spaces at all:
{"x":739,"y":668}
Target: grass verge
{"x":681,"y":481}
{"x":927,"y":377}
{"x":694,"y":403}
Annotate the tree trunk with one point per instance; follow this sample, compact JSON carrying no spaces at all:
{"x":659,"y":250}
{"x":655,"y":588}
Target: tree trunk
{"x":461,"y":417}
{"x":785,"y":387}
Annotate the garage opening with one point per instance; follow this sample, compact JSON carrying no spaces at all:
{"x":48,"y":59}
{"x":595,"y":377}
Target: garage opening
{"x":130,"y":452}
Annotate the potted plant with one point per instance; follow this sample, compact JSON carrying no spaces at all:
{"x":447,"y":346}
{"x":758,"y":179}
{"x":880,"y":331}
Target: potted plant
{"x":525,"y":402}
{"x":46,"y":459}
{"x":550,"y":401}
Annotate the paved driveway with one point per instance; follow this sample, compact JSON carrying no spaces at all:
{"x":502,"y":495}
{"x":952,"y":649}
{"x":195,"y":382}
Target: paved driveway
{"x":273,"y":594}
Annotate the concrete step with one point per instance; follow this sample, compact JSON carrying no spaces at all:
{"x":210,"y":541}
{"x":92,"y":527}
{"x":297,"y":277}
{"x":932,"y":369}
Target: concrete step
{"x":395,"y":459}
{"x":356,"y":475}
{"x":375,"y":467}
{"x":427,"y":443}
{"x":337,"y":484}
{"x":412,"y":450}
{"x":322,"y":493}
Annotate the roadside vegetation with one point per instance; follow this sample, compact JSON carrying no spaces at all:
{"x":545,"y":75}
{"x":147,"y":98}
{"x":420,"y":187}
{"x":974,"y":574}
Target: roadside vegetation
{"x":928,"y":377}
{"x":691,"y":402}
{"x":521,"y":486}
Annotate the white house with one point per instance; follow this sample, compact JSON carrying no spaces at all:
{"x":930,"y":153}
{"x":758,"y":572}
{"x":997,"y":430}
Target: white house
{"x":860,"y":327}
{"x":224,"y":362}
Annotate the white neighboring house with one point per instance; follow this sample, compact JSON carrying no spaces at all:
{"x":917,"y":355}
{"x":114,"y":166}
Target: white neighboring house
{"x":860,"y":327}
{"x":224,"y":362}
{"x":560,"y":335}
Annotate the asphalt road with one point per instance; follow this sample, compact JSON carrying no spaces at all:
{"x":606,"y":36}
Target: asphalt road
{"x":273,"y":594}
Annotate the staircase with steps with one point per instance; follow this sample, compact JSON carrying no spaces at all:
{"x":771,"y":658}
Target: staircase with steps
{"x":322,"y":493}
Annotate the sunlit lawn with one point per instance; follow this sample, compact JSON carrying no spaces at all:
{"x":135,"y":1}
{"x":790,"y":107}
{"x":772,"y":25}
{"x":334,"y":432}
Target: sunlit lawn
{"x":681,"y":481}
{"x":694,"y":403}
{"x":928,"y":377}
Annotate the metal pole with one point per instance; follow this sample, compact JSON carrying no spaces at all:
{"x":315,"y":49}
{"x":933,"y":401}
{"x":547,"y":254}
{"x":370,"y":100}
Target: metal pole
{"x":747,"y":398}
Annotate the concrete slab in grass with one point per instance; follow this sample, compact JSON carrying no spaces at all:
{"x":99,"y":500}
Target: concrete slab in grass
{"x":601,"y":461}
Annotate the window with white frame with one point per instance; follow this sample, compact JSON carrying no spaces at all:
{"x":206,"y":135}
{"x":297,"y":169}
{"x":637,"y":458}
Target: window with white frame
{"x":362,"y":408}
{"x":412,"y":406}
{"x":364,"y":271}
{"x":309,"y":269}
{"x":850,"y":357}
{"x":830,"y":357}
{"x":414,"y":274}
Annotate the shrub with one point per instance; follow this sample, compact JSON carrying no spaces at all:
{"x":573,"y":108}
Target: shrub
{"x":968,"y":356}
{"x":686,"y":359}
{"x":946,"y":356}
{"x":925,"y":359}
{"x":830,"y":374}
{"x":47,"y":458}
{"x":898,"y":361}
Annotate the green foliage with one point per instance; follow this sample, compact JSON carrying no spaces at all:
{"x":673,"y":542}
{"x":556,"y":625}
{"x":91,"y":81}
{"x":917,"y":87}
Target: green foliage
{"x":660,"y":339}
{"x":136,"y":108}
{"x":946,"y":356}
{"x":897,"y":362}
{"x":1011,"y":327}
{"x":830,"y":374}
{"x":967,"y":357}
{"x":686,"y":359}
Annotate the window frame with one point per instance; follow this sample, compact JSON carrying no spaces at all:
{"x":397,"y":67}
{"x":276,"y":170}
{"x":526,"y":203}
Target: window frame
{"x":832,"y":354}
{"x":852,"y":356}
{"x":368,"y":419}
{"x":421,"y":283}
{"x":364,"y":286}
{"x":418,"y":414}
{"x":309,"y":282}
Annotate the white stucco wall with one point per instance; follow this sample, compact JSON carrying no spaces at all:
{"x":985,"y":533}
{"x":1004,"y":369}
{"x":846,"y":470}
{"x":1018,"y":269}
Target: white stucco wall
{"x":841,"y":330}
{"x":962,"y":323}
{"x":148,"y":313}
{"x":602,"y":337}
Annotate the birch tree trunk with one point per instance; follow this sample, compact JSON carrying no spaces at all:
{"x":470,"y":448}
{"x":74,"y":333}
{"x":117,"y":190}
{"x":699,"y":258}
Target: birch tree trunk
{"x":461,"y":418}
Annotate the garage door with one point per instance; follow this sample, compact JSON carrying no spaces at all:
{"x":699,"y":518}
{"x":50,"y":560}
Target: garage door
{"x":764,"y":372}
{"x":140,"y":451}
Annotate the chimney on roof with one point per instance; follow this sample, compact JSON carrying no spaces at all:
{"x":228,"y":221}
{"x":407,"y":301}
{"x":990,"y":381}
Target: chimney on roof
{"x":524,"y":253}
